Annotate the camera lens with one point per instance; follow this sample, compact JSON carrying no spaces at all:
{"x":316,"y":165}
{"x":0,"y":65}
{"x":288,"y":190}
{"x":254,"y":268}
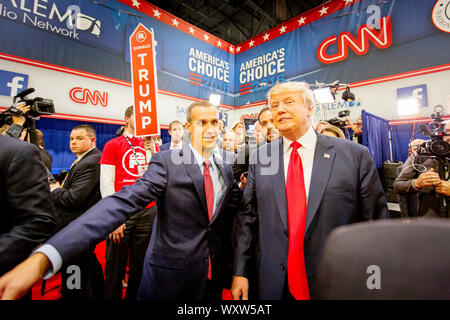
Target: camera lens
{"x":440,"y":147}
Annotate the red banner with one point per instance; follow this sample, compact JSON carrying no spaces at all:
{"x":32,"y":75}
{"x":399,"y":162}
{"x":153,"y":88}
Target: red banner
{"x":143,"y":75}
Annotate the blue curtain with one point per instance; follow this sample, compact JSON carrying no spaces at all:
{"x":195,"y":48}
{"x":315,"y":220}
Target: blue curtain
{"x":165,"y":136}
{"x":376,"y":137}
{"x":401,"y":136}
{"x":56,"y":138}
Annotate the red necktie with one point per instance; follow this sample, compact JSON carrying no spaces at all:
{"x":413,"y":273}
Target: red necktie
{"x":296,"y":206}
{"x":209,"y":192}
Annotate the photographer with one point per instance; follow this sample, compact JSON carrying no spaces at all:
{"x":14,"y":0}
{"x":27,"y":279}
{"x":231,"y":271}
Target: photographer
{"x":420,"y":176}
{"x":357,"y":129}
{"x":15,"y":129}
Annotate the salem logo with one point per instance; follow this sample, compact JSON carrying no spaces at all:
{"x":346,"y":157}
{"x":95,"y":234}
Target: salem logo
{"x":382,"y":39}
{"x":81,"y":95}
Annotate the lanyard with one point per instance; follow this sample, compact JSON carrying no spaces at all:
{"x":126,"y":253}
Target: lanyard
{"x":132,"y":148}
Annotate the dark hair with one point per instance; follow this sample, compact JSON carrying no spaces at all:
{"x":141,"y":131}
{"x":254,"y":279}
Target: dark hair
{"x":89,"y":130}
{"x":262,"y":111}
{"x":196,"y":104}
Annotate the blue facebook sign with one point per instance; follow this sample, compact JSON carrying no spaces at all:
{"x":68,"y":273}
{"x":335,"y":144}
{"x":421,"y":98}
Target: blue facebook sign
{"x":12,"y":83}
{"x":418,"y":92}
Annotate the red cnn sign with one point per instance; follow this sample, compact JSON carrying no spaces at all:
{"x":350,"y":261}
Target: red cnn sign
{"x":80,"y":95}
{"x":143,"y":75}
{"x":381,"y":39}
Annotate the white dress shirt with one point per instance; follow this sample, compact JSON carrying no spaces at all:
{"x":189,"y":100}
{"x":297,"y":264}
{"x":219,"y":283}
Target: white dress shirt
{"x":179,"y":145}
{"x":218,"y":182}
{"x":306,"y":151}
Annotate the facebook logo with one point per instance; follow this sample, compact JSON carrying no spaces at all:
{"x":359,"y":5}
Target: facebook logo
{"x":12,"y":83}
{"x":418,"y":92}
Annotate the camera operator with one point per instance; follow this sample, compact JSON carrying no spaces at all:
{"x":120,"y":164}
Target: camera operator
{"x":357,"y":129}
{"x":16,"y":128}
{"x":420,"y":176}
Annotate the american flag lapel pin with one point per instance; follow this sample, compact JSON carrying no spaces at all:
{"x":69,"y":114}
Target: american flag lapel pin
{"x":326,"y":155}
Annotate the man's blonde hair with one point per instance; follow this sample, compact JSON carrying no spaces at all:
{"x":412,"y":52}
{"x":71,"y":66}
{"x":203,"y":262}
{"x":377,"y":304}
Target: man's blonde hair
{"x":293,"y":86}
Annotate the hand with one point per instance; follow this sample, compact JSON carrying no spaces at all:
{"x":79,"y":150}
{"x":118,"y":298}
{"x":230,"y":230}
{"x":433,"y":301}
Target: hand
{"x":117,"y":234}
{"x":15,"y":283}
{"x":149,"y":144}
{"x":239,"y":288}
{"x":20,"y":120}
{"x":243,"y":181}
{"x":427,"y":179}
{"x":443,"y":187}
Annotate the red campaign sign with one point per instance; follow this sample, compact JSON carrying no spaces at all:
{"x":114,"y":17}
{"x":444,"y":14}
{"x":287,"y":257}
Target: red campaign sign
{"x":144,"y":83}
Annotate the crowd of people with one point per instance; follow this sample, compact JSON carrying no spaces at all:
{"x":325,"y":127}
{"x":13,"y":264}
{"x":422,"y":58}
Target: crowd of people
{"x":213,"y":208}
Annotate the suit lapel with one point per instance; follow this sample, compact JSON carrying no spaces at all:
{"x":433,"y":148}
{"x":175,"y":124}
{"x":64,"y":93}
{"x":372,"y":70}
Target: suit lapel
{"x":194,"y":172}
{"x":323,"y":161}
{"x":223,"y":172}
{"x":278,"y":180}
{"x":68,"y":180}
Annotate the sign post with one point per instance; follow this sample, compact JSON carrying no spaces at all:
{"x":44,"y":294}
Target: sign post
{"x":144,"y":83}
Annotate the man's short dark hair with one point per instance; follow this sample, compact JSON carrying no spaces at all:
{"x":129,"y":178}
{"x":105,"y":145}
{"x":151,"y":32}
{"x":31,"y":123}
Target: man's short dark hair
{"x":174,"y":123}
{"x":262,"y":111}
{"x":129,"y":112}
{"x":89,"y":130}
{"x":196,"y":104}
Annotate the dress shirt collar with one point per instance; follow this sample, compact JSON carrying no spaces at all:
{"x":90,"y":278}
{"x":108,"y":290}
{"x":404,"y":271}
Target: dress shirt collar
{"x":199,"y":157}
{"x":308,"y":141}
{"x":179,"y":144}
{"x":82,"y":155}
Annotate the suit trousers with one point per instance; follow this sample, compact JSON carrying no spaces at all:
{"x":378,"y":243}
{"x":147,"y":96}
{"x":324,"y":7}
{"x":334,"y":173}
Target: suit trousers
{"x":133,"y":245}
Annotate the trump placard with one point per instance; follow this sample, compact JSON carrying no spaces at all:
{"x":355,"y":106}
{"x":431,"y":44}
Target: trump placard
{"x":143,"y":75}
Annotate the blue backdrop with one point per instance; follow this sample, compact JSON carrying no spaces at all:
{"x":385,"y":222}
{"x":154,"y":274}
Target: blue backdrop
{"x":57,"y":133}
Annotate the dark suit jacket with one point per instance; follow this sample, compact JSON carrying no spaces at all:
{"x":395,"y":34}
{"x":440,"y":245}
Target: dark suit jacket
{"x":164,"y":146}
{"x":345,"y":188}
{"x":81,"y":189}
{"x":408,"y":203}
{"x":28,"y":216}
{"x":176,"y":262}
{"x":428,"y":201}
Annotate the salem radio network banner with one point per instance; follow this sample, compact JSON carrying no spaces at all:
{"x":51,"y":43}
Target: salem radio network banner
{"x":92,"y":36}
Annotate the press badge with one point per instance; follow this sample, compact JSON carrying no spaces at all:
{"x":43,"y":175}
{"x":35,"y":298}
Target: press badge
{"x":141,"y":169}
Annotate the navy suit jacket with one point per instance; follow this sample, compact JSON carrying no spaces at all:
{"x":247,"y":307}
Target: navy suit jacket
{"x":176,"y":262}
{"x":164,"y":146}
{"x":345,"y":188}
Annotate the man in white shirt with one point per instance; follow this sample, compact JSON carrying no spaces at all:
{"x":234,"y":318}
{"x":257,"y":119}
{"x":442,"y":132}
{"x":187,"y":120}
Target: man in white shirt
{"x":176,"y":131}
{"x":299,"y":188}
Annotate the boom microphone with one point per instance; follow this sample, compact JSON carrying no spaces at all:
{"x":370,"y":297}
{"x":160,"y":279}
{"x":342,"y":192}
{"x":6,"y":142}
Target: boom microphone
{"x":24,"y":93}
